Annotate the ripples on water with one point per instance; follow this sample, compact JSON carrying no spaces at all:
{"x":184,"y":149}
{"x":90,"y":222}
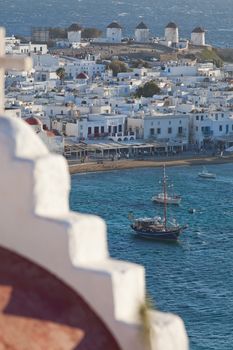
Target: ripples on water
{"x":214,"y":15}
{"x":193,"y":278}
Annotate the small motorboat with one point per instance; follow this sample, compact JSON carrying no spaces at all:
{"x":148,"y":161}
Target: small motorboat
{"x":192,"y":210}
{"x":205,"y":174}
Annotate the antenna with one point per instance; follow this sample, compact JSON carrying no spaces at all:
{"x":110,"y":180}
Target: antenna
{"x":165,"y":195}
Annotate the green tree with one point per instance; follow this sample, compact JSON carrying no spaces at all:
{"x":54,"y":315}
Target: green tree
{"x":90,"y":33}
{"x":211,"y":55}
{"x":140,"y":63}
{"x":117,"y":67}
{"x":61,"y":74}
{"x":148,"y":89}
{"x":57,"y":33}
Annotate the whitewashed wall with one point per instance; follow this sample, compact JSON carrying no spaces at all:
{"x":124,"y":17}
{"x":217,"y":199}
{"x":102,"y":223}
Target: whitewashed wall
{"x":36,"y":222}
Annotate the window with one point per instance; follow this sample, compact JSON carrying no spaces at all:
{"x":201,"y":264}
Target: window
{"x":158,"y":131}
{"x":220,"y":127}
{"x":169,"y":130}
{"x":202,"y":117}
{"x":196,"y":128}
{"x":222,"y":115}
{"x":89,"y":130}
{"x":216,"y":116}
{"x":102,"y":129}
{"x":170,"y":122}
{"x":96,"y":130}
{"x":152,"y":132}
{"x":180,"y":130}
{"x":180,"y":122}
{"x":197,"y":117}
{"x":120,"y":128}
{"x":109,"y":129}
{"x":151,"y":123}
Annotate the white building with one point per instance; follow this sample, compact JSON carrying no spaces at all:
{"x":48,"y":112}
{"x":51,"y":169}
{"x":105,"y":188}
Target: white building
{"x":46,"y":61}
{"x":136,"y":125}
{"x":171,"y":34}
{"x":94,"y":126}
{"x":211,"y":126}
{"x":10,"y":42}
{"x":176,"y":70}
{"x":13,"y":112}
{"x":88,"y":66}
{"x":54,"y":143}
{"x":198,"y":36}
{"x":114,"y":33}
{"x":173,"y":128}
{"x":74,"y":34}
{"x":142,"y":33}
{"x":30,"y":48}
{"x":97,"y":125}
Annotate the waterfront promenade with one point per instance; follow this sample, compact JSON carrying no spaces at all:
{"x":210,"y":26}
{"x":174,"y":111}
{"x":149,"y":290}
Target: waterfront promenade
{"x":108,"y":165}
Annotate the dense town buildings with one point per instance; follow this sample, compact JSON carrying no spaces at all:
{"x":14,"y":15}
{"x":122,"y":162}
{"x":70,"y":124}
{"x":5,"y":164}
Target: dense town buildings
{"x":90,"y":103}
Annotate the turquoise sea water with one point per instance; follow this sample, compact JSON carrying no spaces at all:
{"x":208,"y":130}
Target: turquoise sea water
{"x":18,"y":16}
{"x":193,"y":278}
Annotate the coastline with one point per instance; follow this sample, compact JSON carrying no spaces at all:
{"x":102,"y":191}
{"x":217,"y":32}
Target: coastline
{"x":133,"y":164}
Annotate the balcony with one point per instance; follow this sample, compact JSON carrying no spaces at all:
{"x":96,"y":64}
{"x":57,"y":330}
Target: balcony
{"x":122,"y":136}
{"x":97,"y":135}
{"x":181,"y":135}
{"x":207,"y":133}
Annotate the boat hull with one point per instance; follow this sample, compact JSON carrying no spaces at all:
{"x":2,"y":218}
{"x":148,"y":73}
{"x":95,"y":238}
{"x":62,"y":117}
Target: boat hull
{"x":207,"y":176}
{"x":158,"y":235}
{"x":158,"y":200}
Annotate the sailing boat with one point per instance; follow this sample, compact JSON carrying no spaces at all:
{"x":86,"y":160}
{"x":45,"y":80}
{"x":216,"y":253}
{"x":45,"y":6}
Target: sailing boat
{"x":158,"y":228}
{"x":170,"y":199}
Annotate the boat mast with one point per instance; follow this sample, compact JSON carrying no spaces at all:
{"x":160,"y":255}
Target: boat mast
{"x":165,"y":197}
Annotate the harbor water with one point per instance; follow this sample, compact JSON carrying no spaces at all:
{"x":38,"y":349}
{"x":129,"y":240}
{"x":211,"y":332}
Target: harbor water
{"x":192,"y":278}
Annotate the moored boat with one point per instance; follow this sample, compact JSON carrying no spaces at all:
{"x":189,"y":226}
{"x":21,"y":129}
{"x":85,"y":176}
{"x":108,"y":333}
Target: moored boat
{"x":205,"y":174}
{"x":159,"y":198}
{"x":158,"y":228}
{"x":169,"y":199}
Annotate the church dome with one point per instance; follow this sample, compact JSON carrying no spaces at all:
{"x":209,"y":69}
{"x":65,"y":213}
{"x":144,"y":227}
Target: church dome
{"x":33,"y":121}
{"x":52,"y":315}
{"x":82,"y":76}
